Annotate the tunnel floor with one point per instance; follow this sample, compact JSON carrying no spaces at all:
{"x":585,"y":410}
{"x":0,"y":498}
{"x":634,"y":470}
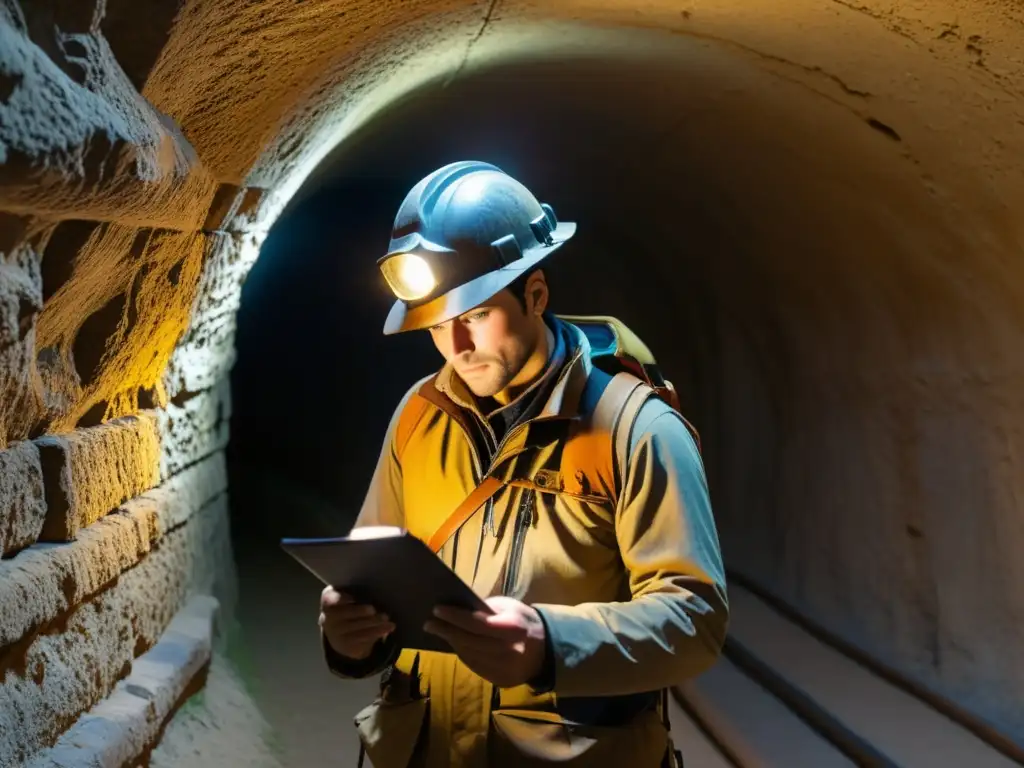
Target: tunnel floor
{"x":780,"y":696}
{"x":309,"y":710}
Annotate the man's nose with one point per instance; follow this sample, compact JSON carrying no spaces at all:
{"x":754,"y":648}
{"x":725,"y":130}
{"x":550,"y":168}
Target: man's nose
{"x":462,"y":340}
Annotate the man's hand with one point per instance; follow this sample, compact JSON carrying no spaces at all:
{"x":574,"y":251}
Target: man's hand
{"x":506,"y":648}
{"x":351,"y":628}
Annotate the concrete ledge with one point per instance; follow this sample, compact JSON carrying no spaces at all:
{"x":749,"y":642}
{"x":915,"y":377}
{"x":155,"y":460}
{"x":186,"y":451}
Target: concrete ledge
{"x":54,"y":676}
{"x":22,"y":503}
{"x":193,"y":427}
{"x":126,"y":726}
{"x":89,"y":472}
{"x":812,"y":675}
{"x":223,"y":728}
{"x":752,"y":726}
{"x":42,"y":582}
{"x":698,"y":749}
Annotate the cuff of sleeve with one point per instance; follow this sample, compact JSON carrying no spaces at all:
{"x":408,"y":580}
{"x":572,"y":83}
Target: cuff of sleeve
{"x":383,"y":654}
{"x":575,"y":639}
{"x":544,"y":682}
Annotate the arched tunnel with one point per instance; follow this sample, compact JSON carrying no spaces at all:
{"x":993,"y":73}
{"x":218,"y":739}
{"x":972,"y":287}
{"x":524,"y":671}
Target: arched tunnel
{"x":810,"y":211}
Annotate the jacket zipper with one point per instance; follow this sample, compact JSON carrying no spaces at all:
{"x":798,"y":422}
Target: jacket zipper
{"x":516,"y":429}
{"x":478,"y":464}
{"x":524,"y":519}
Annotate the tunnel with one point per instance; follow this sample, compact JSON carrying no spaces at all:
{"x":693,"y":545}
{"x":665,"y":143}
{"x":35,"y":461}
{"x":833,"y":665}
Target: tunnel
{"x":809,"y":211}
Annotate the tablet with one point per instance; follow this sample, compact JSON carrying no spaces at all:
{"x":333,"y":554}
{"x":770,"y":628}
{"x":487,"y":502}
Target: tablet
{"x":393,"y":570}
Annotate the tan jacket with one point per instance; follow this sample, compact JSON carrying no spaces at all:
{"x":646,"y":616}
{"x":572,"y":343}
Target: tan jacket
{"x":629,"y":582}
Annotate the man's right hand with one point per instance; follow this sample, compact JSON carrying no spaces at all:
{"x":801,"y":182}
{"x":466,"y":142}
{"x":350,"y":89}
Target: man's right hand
{"x":351,"y":628}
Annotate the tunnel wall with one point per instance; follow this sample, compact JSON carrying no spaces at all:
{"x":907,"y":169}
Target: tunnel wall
{"x":145,"y":151}
{"x":121,"y":260}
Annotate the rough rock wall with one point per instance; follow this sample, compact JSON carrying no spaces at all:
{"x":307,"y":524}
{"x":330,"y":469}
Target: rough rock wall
{"x":120,"y":269}
{"x":146,"y":147}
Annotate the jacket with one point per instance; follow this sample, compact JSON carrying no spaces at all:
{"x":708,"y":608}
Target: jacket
{"x":626,"y":574}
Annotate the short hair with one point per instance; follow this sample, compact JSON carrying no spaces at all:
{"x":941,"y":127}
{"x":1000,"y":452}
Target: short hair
{"x":518,"y":286}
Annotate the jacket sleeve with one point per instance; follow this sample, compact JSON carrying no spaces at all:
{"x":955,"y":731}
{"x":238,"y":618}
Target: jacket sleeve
{"x":675,"y":623}
{"x":381,"y":506}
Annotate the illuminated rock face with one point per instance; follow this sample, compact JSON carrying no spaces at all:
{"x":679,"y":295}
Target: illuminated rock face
{"x":853,"y":175}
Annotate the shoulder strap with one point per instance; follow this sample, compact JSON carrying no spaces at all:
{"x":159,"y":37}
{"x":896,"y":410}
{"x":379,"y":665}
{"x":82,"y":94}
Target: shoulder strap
{"x":462,"y":513}
{"x":415,"y":408}
{"x":614,"y":414}
{"x":408,"y":420}
{"x":624,"y":428}
{"x":418,"y":405}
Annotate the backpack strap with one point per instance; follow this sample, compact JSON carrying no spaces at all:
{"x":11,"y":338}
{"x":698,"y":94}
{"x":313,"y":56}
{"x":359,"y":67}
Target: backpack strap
{"x":619,"y":399}
{"x":616,"y":409}
{"x":414,"y":407}
{"x":410,"y":417}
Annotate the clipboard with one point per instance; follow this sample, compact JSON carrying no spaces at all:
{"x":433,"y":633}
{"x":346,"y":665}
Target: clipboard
{"x":394,"y":571}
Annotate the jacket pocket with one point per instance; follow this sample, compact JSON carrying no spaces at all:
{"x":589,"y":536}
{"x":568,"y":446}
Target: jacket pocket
{"x":391,"y":732}
{"x":536,"y":738}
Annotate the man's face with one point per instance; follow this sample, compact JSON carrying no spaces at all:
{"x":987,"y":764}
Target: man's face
{"x":489,"y":345}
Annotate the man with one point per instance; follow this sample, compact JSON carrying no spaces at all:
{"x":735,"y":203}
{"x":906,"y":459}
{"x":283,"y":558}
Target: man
{"x":581,"y":512}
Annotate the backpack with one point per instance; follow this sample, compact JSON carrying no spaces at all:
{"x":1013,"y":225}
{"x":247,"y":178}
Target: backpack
{"x":614,"y":349}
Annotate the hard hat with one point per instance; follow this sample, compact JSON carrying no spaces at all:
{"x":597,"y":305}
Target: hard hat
{"x":462,"y":234}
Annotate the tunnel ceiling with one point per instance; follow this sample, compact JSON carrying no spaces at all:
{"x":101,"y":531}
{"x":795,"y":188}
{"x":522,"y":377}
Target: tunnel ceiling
{"x":815,"y":107}
{"x":826,"y":194}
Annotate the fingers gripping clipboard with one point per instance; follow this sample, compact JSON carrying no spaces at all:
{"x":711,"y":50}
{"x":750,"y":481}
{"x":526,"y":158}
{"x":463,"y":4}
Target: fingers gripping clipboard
{"x":393,"y":570}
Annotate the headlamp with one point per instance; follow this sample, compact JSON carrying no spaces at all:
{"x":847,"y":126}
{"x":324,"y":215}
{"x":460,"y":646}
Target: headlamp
{"x":409,"y":276}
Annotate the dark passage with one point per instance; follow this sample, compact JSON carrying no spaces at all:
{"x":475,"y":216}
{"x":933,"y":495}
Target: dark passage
{"x":808,"y":329}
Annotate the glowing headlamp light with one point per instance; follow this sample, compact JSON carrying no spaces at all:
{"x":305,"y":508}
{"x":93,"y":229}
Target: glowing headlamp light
{"x":409,"y":276}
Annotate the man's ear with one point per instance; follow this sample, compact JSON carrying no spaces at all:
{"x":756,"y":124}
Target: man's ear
{"x":537,"y":293}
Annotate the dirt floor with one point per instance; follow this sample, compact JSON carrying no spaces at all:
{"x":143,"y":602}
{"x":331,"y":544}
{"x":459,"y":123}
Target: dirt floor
{"x":270,"y":701}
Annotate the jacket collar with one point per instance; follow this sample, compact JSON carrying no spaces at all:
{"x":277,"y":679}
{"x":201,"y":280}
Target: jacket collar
{"x":573,"y":369}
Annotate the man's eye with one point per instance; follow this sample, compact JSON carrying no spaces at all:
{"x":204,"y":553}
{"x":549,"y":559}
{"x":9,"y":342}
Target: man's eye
{"x":479,"y":315}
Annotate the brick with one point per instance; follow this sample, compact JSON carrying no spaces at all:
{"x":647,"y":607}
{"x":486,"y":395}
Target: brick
{"x":226,"y":265}
{"x":194,"y":428}
{"x":176,"y":500}
{"x":22,"y":504}
{"x":89,"y":472}
{"x":41,"y":583}
{"x":74,"y":664}
{"x":123,"y":727}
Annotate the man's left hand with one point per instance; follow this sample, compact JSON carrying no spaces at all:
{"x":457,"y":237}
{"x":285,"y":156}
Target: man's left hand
{"x":506,"y":647}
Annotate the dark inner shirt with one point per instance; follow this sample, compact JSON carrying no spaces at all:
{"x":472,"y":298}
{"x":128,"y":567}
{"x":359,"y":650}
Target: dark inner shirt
{"x":503,"y":419}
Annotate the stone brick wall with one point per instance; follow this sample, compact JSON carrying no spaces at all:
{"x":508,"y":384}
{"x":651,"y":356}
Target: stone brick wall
{"x":121,"y":263}
{"x":118,"y":526}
